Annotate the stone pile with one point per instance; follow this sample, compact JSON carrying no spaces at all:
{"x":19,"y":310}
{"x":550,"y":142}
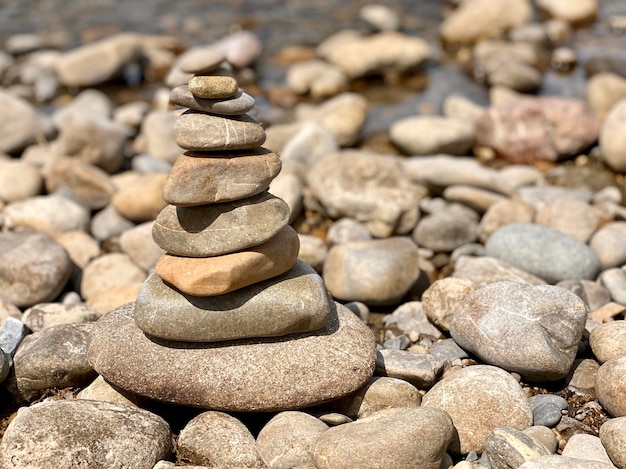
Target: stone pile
{"x":229,"y":319}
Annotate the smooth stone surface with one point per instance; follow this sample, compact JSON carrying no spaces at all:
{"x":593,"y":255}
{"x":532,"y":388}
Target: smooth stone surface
{"x":247,"y":375}
{"x":12,"y":334}
{"x":503,"y":213}
{"x":293,"y":302}
{"x":157,"y":136}
{"x":218,"y":275}
{"x":142,"y":199}
{"x":612,"y":138}
{"x":21,"y":123}
{"x":587,"y":448}
{"x":108,"y":223}
{"x":202,"y":178}
{"x":576,"y":12}
{"x":35,"y":268}
{"x":608,"y":340}
{"x":19,"y":180}
{"x":317,"y":77}
{"x":218,"y":439}
{"x":482,"y":19}
{"x":483,"y":270}
{"x":137,"y":243}
{"x":479,"y":398}
{"x":240,"y":103}
{"x":212,"y":230}
{"x":613,"y":438}
{"x":288,"y":439}
{"x":200,"y":59}
{"x":570,"y":216}
{"x":441,"y":300}
{"x":611,"y":386}
{"x":212,"y":86}
{"x":90,"y":184}
{"x":447,"y":229}
{"x":563,"y":462}
{"x":100,"y":390}
{"x":345,"y":230}
{"x":313,"y":251}
{"x":46,"y":315}
{"x":507,"y":447}
{"x":376,"y":272}
{"x":109,"y":272}
{"x":41,"y":214}
{"x":546,"y":253}
{"x":53,"y":358}
{"x":547,"y":409}
{"x":609,"y":243}
{"x":371,"y":188}
{"x":379,"y":393}
{"x":82,"y":433}
{"x":543,"y":435}
{"x":430,"y":135}
{"x":205,"y":132}
{"x":421,"y":370}
{"x":401,"y":438}
{"x":551,"y":320}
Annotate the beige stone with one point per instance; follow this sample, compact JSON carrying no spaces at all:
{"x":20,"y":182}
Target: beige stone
{"x":243,"y":375}
{"x":209,"y":276}
{"x":205,"y":178}
{"x":198,"y":131}
{"x":142,"y":200}
{"x":213,"y":87}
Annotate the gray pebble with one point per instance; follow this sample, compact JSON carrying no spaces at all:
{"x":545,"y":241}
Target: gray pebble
{"x":547,"y":409}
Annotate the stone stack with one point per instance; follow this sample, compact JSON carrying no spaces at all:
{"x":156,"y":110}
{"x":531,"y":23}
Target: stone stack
{"x":229,"y":319}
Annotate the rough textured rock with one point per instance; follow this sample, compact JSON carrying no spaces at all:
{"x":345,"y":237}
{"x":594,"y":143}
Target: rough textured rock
{"x":218,"y":439}
{"x":370,"y":188}
{"x":296,"y":301}
{"x":442,"y":299}
{"x":518,"y":130}
{"x":212,"y":230}
{"x":213,"y":86}
{"x":546,"y":253}
{"x":563,"y":462}
{"x":53,"y":358}
{"x":586,"y":447}
{"x":613,"y":438}
{"x":479,"y":398}
{"x":270,"y":374}
{"x":532,"y":330}
{"x":45,"y":315}
{"x":482,"y":270}
{"x":400,"y":438}
{"x":376,"y":272}
{"x":34,"y":269}
{"x":288,"y":439}
{"x":84,"y":433}
{"x":570,"y":216}
{"x":446,"y":229}
{"x":197,"y":179}
{"x":507,"y":447}
{"x":419,"y":369}
{"x":608,"y":340}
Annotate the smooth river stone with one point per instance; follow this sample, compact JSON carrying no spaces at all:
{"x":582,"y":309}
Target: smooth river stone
{"x":296,"y":301}
{"x":213,"y":87}
{"x":533,"y":330}
{"x":266,"y":375}
{"x":216,"y":229}
{"x":239,"y":104}
{"x":204,"y":178}
{"x":210,"y":276}
{"x":205,"y":132}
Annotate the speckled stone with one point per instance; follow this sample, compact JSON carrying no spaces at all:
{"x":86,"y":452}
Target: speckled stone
{"x":297,"y":371}
{"x":213,"y":87}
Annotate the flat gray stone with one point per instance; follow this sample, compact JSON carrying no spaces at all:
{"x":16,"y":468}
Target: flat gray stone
{"x":239,"y":104}
{"x":403,"y":437}
{"x":532,"y":330}
{"x":46,"y":315}
{"x":296,"y":301}
{"x":215,"y":229}
{"x":201,"y":178}
{"x":419,"y":369}
{"x":544,"y":252}
{"x":293,"y":372}
{"x":83,"y":433}
{"x":12,"y":333}
{"x":547,"y":409}
{"x":196,"y":130}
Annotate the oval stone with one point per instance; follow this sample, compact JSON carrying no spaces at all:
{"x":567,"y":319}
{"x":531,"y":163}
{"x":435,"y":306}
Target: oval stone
{"x":213,"y":87}
{"x":215,"y":229}
{"x":201,"y":178}
{"x":205,"y":132}
{"x":237,"y":105}
{"x":544,"y":252}
{"x":218,"y":275}
{"x":83,"y":433}
{"x":291,"y":372}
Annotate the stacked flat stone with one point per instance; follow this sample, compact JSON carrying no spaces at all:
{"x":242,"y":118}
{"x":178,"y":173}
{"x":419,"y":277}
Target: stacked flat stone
{"x":229,"y":288}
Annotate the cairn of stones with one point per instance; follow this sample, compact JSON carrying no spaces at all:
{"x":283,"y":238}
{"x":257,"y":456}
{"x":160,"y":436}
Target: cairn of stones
{"x":229,"y":319}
